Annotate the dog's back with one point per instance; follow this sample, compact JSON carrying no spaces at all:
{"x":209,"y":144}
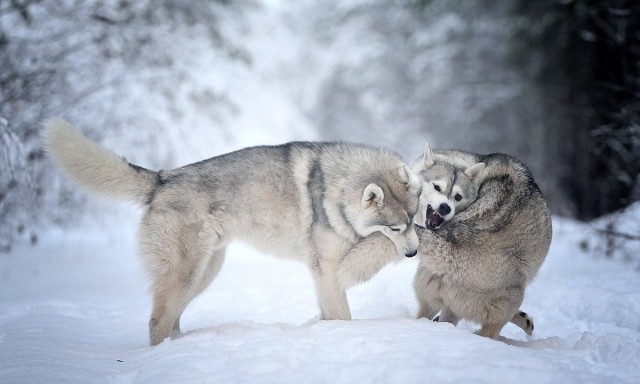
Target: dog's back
{"x":512,"y":213}
{"x":525,"y":235}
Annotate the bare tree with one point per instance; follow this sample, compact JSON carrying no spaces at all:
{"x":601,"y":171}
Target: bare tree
{"x":91,"y":62}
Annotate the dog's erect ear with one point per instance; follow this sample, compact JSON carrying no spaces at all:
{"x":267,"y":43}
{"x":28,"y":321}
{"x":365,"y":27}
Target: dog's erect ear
{"x":475,"y":172}
{"x":408,"y":179}
{"x":372,"y":195}
{"x":427,"y":160}
{"x":406,"y":176}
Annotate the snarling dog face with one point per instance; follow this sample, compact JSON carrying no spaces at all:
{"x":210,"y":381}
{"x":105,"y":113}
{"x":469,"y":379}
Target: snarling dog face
{"x":449,"y":185}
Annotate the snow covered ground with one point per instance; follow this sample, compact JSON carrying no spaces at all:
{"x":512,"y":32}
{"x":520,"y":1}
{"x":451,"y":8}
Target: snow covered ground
{"x":74,"y":309}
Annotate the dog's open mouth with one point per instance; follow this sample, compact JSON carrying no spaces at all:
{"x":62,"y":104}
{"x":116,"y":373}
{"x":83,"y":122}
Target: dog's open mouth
{"x":434,"y":220}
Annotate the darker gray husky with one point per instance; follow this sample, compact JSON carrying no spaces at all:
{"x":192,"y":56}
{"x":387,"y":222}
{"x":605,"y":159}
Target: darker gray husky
{"x":475,"y":264}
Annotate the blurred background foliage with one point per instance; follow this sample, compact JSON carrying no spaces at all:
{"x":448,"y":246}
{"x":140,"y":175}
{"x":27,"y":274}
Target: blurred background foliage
{"x":555,"y":83}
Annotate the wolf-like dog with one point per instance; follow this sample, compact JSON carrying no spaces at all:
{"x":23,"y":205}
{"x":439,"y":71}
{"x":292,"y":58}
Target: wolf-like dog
{"x":308,"y":201}
{"x":476,"y":264}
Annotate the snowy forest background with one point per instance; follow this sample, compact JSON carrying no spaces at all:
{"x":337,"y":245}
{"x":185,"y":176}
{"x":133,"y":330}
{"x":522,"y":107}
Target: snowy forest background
{"x":555,"y":83}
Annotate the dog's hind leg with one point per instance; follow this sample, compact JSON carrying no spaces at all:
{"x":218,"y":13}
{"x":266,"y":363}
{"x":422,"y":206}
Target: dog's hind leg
{"x":500,"y":310}
{"x":447,"y":316}
{"x":210,"y":271}
{"x":522,"y":320}
{"x":169,"y":300}
{"x":174,"y":291}
{"x":491,"y":330}
{"x":182,"y":260}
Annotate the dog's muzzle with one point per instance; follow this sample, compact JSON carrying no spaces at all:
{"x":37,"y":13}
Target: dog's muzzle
{"x":434,"y":220}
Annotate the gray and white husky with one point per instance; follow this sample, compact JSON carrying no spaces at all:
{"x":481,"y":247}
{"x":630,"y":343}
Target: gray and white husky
{"x":484,"y":230}
{"x":308,"y":201}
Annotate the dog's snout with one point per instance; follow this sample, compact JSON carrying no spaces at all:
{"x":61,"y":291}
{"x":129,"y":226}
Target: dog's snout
{"x":411,"y":253}
{"x":444,"y":209}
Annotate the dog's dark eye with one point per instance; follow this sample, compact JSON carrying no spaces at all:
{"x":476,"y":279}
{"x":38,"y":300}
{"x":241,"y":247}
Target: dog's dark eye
{"x":458,"y":197}
{"x":395,"y":229}
{"x":437,"y":188}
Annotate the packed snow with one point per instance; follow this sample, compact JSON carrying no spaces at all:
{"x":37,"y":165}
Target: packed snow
{"x":74,"y":309}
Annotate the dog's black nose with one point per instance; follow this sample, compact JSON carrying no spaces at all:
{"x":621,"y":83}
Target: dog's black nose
{"x":444,"y":209}
{"x":411,"y":254}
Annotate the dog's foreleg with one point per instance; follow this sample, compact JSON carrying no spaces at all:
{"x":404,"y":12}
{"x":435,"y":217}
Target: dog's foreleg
{"x":426,"y":310}
{"x":366,"y":259}
{"x":428,"y":305}
{"x":332,"y":298}
{"x":328,"y":251}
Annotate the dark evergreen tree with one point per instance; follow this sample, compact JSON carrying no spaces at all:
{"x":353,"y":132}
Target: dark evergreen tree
{"x":591,"y":70}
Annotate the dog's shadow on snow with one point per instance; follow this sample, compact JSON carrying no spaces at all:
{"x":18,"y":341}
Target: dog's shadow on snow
{"x":553,"y":342}
{"x":244,"y":327}
{"x":249,"y":326}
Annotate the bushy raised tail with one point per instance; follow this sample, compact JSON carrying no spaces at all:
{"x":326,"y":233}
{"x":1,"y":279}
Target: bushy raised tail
{"x":94,"y":167}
